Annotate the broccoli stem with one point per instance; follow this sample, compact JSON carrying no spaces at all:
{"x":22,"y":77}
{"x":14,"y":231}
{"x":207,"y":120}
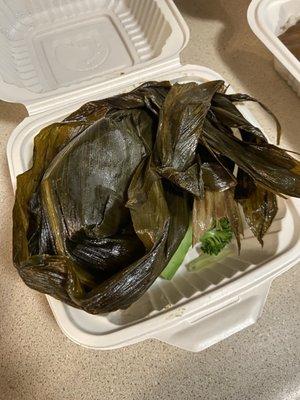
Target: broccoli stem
{"x":178,"y":256}
{"x":212,"y":242}
{"x":206,"y":260}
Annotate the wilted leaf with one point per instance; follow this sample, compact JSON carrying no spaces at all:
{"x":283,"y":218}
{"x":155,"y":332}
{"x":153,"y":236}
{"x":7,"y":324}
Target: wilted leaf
{"x":108,"y":199}
{"x":180,"y":126}
{"x":268,"y":165}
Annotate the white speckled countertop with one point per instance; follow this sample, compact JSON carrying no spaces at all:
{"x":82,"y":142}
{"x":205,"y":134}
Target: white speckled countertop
{"x":260,"y":363}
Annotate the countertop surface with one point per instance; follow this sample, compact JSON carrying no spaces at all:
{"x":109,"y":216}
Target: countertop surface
{"x":260,"y":363}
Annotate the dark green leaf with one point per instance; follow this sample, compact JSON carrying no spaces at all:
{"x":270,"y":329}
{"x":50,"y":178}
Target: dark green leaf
{"x":240,"y":97}
{"x":107,"y":201}
{"x":268,"y":165}
{"x":180,"y":126}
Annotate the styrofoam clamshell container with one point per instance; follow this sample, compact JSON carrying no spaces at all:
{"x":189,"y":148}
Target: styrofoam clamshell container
{"x":270,"y":18}
{"x":57,"y":55}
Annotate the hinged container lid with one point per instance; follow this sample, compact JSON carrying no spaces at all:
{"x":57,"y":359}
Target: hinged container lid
{"x":55,"y":49}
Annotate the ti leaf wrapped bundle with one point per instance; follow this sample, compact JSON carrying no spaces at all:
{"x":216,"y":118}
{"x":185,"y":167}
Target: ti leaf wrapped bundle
{"x":118,"y":191}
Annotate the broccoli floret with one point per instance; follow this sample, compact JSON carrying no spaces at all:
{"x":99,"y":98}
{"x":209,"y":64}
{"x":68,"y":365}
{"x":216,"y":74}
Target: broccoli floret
{"x":217,"y":237}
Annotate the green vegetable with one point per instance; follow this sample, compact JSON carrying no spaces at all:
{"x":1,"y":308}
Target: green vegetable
{"x":178,"y":256}
{"x":217,"y":237}
{"x":206,"y":260}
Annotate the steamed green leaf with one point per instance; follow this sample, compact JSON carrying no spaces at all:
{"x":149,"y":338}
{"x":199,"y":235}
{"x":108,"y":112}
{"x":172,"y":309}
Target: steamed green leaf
{"x":105,"y":206}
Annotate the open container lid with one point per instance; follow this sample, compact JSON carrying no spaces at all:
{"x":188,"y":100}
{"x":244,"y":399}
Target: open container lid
{"x":55,"y":50}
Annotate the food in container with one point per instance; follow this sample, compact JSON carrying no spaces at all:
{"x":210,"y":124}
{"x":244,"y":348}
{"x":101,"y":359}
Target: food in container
{"x":57,"y":73}
{"x":291,"y":39}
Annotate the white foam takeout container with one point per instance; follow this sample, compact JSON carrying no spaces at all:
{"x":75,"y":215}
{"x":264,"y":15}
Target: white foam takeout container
{"x":61,"y":54}
{"x":268,"y":19}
